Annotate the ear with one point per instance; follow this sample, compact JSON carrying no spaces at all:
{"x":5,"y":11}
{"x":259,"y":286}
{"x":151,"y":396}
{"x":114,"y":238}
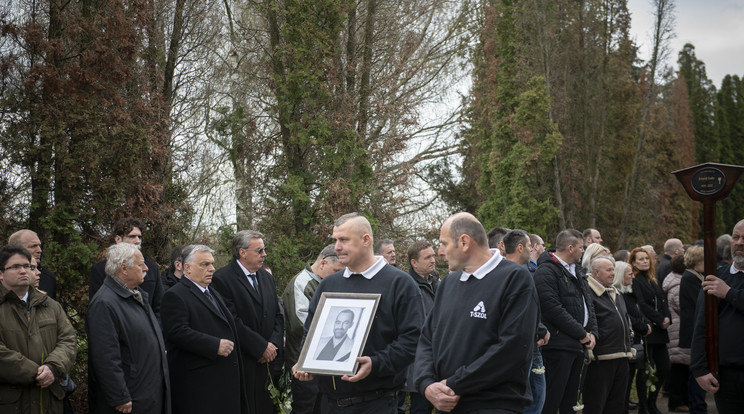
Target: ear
{"x":366,"y":239}
{"x":118,"y":239}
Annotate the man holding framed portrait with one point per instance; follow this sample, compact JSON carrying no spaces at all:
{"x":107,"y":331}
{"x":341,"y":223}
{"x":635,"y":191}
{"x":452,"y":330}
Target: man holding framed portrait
{"x":394,"y":313}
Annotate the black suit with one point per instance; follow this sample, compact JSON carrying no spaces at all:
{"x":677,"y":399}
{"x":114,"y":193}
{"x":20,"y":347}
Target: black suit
{"x":48,"y":282}
{"x":259,"y":321}
{"x":151,"y":284}
{"x":201,"y":380}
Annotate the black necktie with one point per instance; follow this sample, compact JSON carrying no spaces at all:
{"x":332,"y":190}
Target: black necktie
{"x":214,"y":302}
{"x":254,"y":280}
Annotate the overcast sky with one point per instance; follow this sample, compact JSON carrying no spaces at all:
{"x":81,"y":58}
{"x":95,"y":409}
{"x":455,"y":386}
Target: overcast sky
{"x":714,"y":27}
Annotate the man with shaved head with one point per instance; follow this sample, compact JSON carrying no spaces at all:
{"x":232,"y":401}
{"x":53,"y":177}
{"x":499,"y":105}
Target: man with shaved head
{"x":672,"y":249}
{"x":476,"y":347}
{"x":30,"y":240}
{"x":394,"y":332}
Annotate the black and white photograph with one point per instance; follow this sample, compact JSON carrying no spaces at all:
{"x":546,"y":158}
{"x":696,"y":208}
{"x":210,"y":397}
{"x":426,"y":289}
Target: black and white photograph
{"x":338,"y":333}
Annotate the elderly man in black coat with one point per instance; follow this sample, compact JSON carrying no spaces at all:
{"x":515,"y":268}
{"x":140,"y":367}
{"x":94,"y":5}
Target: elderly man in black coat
{"x":126,"y":352}
{"x":250,"y":291}
{"x":202,"y":341}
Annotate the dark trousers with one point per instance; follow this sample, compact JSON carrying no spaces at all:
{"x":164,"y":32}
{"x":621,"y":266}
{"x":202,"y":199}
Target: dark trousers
{"x":305,"y":397}
{"x":419,"y":404}
{"x":562,"y":378}
{"x":637,"y":369}
{"x":696,"y":396}
{"x":658,"y":356}
{"x":382,"y":405}
{"x":730,"y":395}
{"x":678,"y":375}
{"x":604,"y":388}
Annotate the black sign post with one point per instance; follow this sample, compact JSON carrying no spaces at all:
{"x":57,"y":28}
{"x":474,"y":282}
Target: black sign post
{"x":709,"y":183}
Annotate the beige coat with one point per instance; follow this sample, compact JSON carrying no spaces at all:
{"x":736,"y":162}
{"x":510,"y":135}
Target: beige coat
{"x":677,"y":355}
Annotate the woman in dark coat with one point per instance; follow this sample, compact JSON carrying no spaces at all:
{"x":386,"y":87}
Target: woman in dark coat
{"x":653,"y":305}
{"x":624,"y":283}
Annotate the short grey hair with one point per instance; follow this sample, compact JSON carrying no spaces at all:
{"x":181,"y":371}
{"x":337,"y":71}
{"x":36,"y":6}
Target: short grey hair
{"x":328,"y":252}
{"x":346,"y":217}
{"x":190,"y":250}
{"x":120,"y":254}
{"x":243,"y":239}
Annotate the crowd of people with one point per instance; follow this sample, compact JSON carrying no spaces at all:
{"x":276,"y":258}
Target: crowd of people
{"x":513,"y":328}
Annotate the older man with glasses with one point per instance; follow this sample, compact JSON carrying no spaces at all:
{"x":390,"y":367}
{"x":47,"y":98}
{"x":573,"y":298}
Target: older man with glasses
{"x":250,"y":292}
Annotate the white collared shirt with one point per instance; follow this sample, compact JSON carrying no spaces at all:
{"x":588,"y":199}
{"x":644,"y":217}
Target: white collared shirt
{"x":733,"y":270}
{"x":570,"y":267}
{"x":203,"y":289}
{"x":25,"y":297}
{"x":485,"y":268}
{"x":371,"y":272}
{"x":247,"y":274}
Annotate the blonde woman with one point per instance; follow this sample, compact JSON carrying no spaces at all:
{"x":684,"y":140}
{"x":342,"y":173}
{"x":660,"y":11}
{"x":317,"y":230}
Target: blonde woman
{"x":593,"y":250}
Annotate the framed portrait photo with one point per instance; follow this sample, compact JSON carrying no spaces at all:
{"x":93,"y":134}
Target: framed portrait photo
{"x":338,"y":333}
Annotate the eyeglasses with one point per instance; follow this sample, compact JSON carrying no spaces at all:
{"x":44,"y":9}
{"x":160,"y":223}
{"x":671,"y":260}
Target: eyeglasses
{"x":26,"y":266}
{"x":259,"y":251}
{"x":330,"y":255}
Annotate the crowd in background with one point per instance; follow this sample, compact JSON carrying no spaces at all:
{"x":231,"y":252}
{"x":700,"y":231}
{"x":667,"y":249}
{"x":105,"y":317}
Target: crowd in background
{"x":590,"y":323}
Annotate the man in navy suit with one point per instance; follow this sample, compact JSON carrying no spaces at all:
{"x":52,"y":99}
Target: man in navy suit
{"x":250,"y":292}
{"x":203,"y":353}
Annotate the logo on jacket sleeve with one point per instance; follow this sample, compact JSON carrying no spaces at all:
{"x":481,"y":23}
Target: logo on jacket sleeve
{"x":479,"y":311}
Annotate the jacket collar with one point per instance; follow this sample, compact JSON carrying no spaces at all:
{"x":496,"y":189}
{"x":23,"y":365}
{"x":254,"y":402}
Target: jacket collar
{"x":600,"y":290}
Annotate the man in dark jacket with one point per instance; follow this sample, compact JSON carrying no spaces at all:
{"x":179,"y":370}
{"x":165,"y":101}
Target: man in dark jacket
{"x":476,"y":346}
{"x":203,"y":353}
{"x":672,"y":249}
{"x":518,"y":247}
{"x":422,"y":259}
{"x":129,"y":230}
{"x":175,"y":271}
{"x":127,"y":368}
{"x":728,"y":288}
{"x":568,"y":314}
{"x":607,"y":374}
{"x":250,"y":293}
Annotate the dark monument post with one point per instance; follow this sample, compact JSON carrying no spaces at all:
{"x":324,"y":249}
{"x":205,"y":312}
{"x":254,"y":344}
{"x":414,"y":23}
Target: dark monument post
{"x":709,"y":183}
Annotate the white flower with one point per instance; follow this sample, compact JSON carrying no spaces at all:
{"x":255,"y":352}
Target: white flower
{"x":578,"y":407}
{"x":539,"y":370}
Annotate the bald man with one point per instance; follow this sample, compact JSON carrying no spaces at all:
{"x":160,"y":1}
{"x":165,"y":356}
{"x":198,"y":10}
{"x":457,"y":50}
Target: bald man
{"x":475,"y":350}
{"x":391,"y":344}
{"x":30,"y":241}
{"x":672,"y":249}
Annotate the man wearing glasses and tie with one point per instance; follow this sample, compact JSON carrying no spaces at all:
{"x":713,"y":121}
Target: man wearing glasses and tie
{"x":250,"y":292}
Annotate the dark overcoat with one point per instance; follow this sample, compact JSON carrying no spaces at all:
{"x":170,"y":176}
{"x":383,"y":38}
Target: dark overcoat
{"x":259,"y":321}
{"x":203,"y":382}
{"x":126,"y":353}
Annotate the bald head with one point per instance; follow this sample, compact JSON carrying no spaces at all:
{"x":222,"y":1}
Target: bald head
{"x":466,"y":223}
{"x":674,"y":248}
{"x":29,"y":240}
{"x":603,"y":270}
{"x":357,"y":223}
{"x":353,"y":235}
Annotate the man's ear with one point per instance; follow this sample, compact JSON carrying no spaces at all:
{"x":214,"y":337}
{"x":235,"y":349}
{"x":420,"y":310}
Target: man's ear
{"x":117,"y":239}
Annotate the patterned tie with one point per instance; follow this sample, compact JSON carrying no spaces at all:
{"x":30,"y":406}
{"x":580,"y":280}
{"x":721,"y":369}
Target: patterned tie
{"x":254,"y":281}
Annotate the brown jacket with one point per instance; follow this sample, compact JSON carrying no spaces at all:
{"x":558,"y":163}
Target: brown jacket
{"x":33,"y":334}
